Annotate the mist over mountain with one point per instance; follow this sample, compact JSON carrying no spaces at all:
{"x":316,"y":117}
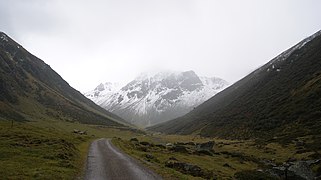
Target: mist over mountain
{"x":279,"y":100}
{"x":151,"y":99}
{"x":31,"y":90}
{"x":160,"y":89}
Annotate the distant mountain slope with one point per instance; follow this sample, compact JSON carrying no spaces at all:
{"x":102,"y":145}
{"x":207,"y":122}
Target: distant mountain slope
{"x":102,"y":92}
{"x":152,"y":99}
{"x":282,"y":98}
{"x":30,"y":89}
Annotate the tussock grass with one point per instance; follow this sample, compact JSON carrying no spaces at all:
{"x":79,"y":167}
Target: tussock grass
{"x":48,"y":149}
{"x":231,"y":157}
{"x":29,"y":152}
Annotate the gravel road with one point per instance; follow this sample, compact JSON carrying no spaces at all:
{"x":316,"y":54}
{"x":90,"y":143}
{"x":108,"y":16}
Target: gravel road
{"x":105,"y":161}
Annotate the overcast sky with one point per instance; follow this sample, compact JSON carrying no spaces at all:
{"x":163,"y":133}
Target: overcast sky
{"x":93,"y":41}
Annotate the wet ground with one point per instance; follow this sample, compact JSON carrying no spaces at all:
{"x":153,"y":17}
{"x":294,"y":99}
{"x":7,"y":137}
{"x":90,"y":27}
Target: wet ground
{"x":105,"y":161}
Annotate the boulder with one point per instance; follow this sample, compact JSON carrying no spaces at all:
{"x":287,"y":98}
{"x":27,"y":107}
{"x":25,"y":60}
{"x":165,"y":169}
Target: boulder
{"x":179,"y":148}
{"x":206,"y":146}
{"x":83,"y":133}
{"x":179,"y":143}
{"x":150,"y":157}
{"x":145,"y":143}
{"x":76,"y":131}
{"x":160,"y":146}
{"x":228,"y":166}
{"x":302,"y":169}
{"x":185,"y":168}
{"x":190,"y":169}
{"x":134,"y":141}
{"x":254,"y":174}
{"x":293,"y":170}
{"x":204,"y":152}
{"x":190,"y":143}
{"x":142,"y":148}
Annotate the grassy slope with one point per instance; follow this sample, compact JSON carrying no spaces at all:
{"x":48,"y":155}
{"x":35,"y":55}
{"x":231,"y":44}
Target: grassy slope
{"x":30,"y":152}
{"x":239,"y":155}
{"x":44,"y":110}
{"x":27,"y":80}
{"x":48,"y":149}
{"x":264,"y":104}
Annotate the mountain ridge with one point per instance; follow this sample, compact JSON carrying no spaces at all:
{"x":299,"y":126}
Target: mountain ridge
{"x":150,"y":99}
{"x":31,"y":89}
{"x":265,"y":103}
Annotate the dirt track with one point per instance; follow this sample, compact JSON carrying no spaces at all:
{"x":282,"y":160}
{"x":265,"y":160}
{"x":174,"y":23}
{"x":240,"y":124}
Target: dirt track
{"x":105,"y":161}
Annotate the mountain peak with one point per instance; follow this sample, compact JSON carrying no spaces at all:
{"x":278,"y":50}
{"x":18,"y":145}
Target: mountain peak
{"x":156,"y":75}
{"x":100,"y":87}
{"x":103,"y":90}
{"x":190,"y":72}
{"x":156,"y":97}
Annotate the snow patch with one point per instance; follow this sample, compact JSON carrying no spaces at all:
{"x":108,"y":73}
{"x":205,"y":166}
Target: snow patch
{"x":288,"y":52}
{"x":4,"y":38}
{"x":149,"y":95}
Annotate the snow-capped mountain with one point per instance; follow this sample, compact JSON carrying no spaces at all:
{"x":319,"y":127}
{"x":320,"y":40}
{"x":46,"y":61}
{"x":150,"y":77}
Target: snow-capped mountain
{"x":103,"y":92}
{"x":151,"y":99}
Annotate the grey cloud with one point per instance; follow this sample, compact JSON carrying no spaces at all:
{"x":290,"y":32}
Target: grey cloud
{"x":114,"y":40}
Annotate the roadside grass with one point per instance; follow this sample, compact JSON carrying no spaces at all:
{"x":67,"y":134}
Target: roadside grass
{"x":223,"y":167}
{"x":29,"y":152}
{"x":160,"y":169}
{"x":94,"y":131}
{"x":230,"y":157}
{"x":48,"y":149}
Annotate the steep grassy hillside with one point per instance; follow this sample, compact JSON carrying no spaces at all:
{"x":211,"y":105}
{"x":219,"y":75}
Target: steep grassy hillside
{"x":30,"y":89}
{"x":49,"y":149}
{"x":281,"y":100}
{"x":30,"y":152}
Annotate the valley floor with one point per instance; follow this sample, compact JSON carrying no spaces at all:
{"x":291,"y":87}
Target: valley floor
{"x":50,"y":149}
{"x":179,"y":157}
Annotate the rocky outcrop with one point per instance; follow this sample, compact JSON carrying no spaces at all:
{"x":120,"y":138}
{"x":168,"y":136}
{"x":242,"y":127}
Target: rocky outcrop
{"x":193,"y":148}
{"x":179,"y":148}
{"x":291,"y":169}
{"x":205,"y":148}
{"x":190,"y":169}
{"x":76,"y":131}
{"x":134,"y":141}
{"x":302,"y":169}
{"x":208,"y":146}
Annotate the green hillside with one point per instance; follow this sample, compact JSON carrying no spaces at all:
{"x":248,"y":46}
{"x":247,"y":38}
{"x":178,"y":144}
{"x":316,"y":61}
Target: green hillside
{"x":30,"y":89}
{"x":281,"y":100}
